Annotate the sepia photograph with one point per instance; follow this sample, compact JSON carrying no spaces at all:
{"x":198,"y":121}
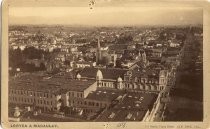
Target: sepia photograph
{"x":104,"y":61}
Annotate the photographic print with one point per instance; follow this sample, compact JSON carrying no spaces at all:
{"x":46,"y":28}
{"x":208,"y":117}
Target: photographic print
{"x":104,"y":61}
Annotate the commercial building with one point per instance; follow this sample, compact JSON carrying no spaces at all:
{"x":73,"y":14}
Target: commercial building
{"x":152,"y":78}
{"x":47,"y":93}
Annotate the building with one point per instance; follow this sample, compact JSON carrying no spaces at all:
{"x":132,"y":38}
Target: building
{"x":105,"y":77}
{"x":129,"y":107}
{"x":48,"y":93}
{"x":157,"y":53}
{"x":82,"y":64}
{"x":151,"y":78}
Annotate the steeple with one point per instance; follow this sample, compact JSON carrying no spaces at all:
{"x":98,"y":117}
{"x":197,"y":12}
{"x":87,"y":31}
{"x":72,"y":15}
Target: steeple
{"x":144,"y":57}
{"x":98,"y":53}
{"x":99,"y":46}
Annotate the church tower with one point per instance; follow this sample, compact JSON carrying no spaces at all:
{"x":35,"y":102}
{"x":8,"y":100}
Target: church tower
{"x":144,"y":57}
{"x":98,"y":53}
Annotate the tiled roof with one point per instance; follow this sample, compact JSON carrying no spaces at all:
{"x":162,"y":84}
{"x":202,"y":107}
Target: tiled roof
{"x":108,"y":73}
{"x":53,"y":84}
{"x":104,"y":95}
{"x":121,"y":115}
{"x":132,"y":108}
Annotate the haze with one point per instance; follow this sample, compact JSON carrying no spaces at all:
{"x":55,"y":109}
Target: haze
{"x":105,"y":16}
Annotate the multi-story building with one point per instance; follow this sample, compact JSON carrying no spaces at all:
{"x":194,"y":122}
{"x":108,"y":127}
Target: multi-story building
{"x":48,"y":93}
{"x":151,"y":78}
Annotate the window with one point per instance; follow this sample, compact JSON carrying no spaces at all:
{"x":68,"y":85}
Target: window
{"x":81,"y":95}
{"x":136,"y":79}
{"x":97,"y":104}
{"x":69,"y":93}
{"x":126,"y":78}
{"x":78,"y":95}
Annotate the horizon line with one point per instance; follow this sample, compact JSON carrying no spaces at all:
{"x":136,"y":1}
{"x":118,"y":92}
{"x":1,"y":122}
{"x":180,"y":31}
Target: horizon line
{"x":82,"y":25}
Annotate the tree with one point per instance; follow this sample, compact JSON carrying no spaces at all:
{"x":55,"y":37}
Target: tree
{"x":118,"y":64}
{"x":67,"y":62}
{"x":42,"y":67}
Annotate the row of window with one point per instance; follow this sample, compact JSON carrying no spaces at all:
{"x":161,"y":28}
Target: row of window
{"x":82,"y":65}
{"x":30,"y":93}
{"x":106,"y":84}
{"x":161,"y":87}
{"x":146,"y":81}
{"x":143,"y":80}
{"x":97,"y":104}
{"x":76,"y":94}
{"x":162,"y":81}
{"x":30,"y":100}
{"x":130,"y":86}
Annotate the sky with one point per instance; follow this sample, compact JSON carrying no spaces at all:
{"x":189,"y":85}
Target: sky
{"x":103,"y":14}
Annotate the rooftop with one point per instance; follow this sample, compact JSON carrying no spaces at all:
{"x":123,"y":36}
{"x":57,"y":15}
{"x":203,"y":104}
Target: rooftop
{"x":104,"y":95}
{"x":49,"y":84}
{"x":108,"y":73}
{"x":121,"y":115}
{"x":137,"y":101}
{"x":132,"y":107}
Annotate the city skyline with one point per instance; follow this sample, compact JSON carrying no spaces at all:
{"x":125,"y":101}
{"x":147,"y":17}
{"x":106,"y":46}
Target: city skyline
{"x":105,"y":16}
{"x":104,"y":61}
